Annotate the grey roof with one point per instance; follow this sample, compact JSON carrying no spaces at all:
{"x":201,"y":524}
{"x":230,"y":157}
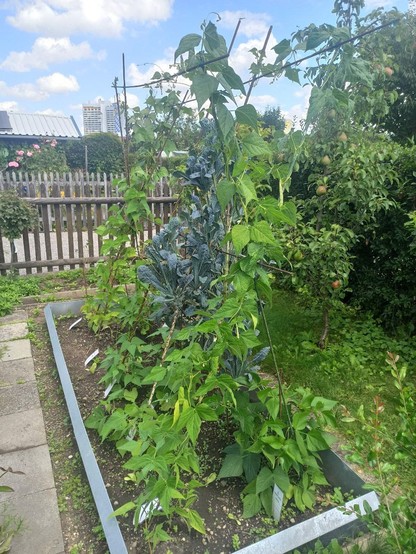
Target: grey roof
{"x":27,"y":125}
{"x":5,"y":122}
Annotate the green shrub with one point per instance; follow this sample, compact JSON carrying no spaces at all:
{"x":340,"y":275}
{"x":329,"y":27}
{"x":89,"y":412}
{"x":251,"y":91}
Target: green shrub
{"x":16,"y":215}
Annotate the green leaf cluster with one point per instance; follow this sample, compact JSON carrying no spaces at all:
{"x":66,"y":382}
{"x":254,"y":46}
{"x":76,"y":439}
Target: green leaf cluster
{"x":16,"y":215}
{"x":201,"y":283}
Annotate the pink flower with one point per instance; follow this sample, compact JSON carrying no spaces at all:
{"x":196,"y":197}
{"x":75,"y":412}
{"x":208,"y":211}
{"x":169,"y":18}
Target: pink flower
{"x":19,"y":152}
{"x":53,"y":144}
{"x":29,"y":153}
{"x":13,"y":164}
{"x":36,"y":146}
{"x":19,"y":158}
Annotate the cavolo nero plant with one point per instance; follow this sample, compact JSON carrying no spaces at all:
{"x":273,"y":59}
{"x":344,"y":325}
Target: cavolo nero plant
{"x":204,"y":279}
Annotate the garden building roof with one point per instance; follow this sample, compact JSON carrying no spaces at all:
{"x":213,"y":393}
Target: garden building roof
{"x":15,"y":125}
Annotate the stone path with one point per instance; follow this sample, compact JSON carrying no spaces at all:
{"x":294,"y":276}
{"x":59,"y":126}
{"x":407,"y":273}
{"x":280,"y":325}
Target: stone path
{"x":23,"y":446}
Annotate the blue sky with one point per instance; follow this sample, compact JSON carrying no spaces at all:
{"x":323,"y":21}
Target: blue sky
{"x":56,"y":55}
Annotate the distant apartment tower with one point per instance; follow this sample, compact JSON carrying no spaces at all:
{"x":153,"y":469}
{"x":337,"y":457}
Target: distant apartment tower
{"x":412,"y":7}
{"x":100,"y":117}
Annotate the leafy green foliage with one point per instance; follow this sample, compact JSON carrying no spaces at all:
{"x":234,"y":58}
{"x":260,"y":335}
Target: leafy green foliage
{"x":185,"y":284}
{"x":382,"y":280}
{"x":16,"y":215}
{"x":12,"y":289}
{"x":112,"y":304}
{"x":349,"y":172}
{"x":395,"y":518}
{"x":324,"y":260}
{"x":392,"y":51}
{"x":288,"y":436}
{"x":42,"y":156}
{"x":272,"y":118}
{"x":104,"y":153}
{"x":202,"y":282}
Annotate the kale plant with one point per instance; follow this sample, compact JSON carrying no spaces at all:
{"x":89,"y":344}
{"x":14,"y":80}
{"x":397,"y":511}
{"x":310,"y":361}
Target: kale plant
{"x":186,"y":260}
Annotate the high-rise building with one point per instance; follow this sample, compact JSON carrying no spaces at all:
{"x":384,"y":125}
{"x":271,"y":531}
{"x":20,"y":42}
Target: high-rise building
{"x":99,"y":117}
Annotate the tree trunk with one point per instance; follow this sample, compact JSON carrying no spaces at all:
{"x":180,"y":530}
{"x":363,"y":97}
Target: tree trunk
{"x":325,"y":329}
{"x":13,"y":254}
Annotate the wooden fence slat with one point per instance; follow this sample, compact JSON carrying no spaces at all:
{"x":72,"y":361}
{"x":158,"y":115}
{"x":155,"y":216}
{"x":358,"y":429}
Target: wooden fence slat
{"x":26,"y":249}
{"x":69,"y":223}
{"x":46,"y":225}
{"x":36,"y":234}
{"x":149,"y":228}
{"x":78,"y":223}
{"x":58,"y":225}
{"x":157,"y":209}
{"x":97,"y":192}
{"x":2,"y":260}
{"x":90,"y":231}
{"x":98,"y":222}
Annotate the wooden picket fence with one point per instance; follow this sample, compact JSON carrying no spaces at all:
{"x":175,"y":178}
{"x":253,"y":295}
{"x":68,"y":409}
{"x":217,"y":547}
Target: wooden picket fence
{"x":70,"y":208}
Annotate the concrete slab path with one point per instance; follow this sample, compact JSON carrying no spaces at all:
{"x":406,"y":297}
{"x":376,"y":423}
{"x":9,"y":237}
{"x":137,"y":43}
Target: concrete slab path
{"x":23,"y":446}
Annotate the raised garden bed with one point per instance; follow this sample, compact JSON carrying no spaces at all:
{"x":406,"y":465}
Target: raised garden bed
{"x":325,"y":526}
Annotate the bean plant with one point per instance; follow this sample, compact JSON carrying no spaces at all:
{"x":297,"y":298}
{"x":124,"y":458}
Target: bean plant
{"x":201,"y":284}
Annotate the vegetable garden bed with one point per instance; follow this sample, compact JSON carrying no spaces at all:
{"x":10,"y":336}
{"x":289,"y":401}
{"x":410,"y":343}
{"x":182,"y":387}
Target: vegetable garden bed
{"x":237,"y":532}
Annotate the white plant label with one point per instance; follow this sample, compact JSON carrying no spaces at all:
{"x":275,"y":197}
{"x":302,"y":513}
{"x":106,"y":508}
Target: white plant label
{"x":75,"y":323}
{"x":91,"y":357}
{"x":147,"y":509}
{"x":277,"y":502}
{"x":108,"y":389}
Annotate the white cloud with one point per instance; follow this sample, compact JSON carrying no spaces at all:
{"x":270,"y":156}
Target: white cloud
{"x":132,"y":100}
{"x":136,"y":76}
{"x":29,"y":91}
{"x":47,"y":51}
{"x":57,"y":83}
{"x":241,"y":58}
{"x":9,"y":106}
{"x":263,"y":101}
{"x":252,"y":24}
{"x":372,"y":4}
{"x":58,"y":18}
{"x":49,"y":111}
{"x":299,"y":110}
{"x":259,"y":101}
{"x":255,"y":26}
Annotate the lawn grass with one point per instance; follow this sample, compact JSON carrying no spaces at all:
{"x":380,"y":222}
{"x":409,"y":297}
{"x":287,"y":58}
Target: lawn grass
{"x":13,"y":288}
{"x":352,"y":369}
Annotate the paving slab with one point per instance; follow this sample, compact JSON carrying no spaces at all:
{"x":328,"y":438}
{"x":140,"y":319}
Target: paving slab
{"x":18,"y":398}
{"x":16,"y":372}
{"x":15,"y":350}
{"x":36,"y":465}
{"x":22,"y":430}
{"x":42,"y":532}
{"x":23,"y":446}
{"x":13,"y":331}
{"x":15,"y":317}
